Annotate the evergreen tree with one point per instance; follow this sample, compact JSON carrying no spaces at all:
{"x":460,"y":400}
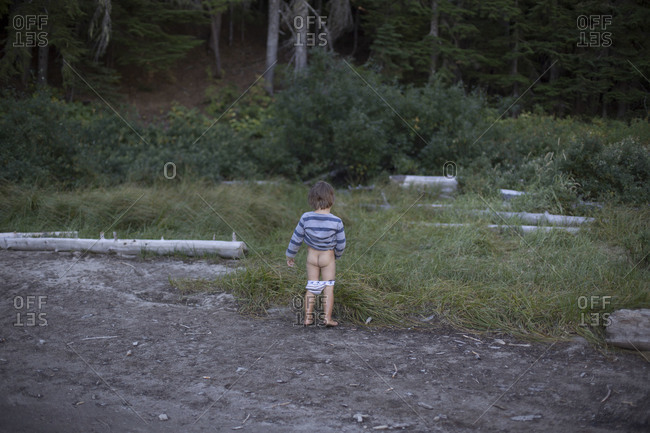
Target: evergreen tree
{"x":38,"y":31}
{"x":143,"y":34}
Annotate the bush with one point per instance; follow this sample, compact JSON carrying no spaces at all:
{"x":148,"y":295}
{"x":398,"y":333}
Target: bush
{"x":347,"y":123}
{"x":333,"y":121}
{"x":561,"y":159}
{"x":44,"y":141}
{"x":36,"y":134}
{"x":616,"y":172}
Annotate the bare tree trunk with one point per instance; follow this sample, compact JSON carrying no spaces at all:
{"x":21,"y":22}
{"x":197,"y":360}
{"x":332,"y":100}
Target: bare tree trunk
{"x":216,"y":31}
{"x":242,"y":26}
{"x":231,"y":26}
{"x":514,"y":68}
{"x":272,"y":44}
{"x":434,"y":32}
{"x":43,"y":57}
{"x":301,"y":34}
{"x":356,"y":31}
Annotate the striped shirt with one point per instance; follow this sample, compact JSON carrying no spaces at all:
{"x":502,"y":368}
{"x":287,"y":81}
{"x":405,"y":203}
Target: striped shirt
{"x":320,"y":231}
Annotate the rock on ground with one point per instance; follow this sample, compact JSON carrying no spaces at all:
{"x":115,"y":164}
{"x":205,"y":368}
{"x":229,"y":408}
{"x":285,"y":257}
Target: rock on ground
{"x":630,"y":329}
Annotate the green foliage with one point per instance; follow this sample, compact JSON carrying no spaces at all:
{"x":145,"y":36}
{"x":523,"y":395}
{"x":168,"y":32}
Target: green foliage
{"x":560,"y":160}
{"x":57,"y":32}
{"x":616,"y":172}
{"x":138,"y":33}
{"x":36,"y":134}
{"x":143,"y":35}
{"x":339,"y":120}
{"x":244,"y":112}
{"x":628,"y":229}
{"x":44,"y":140}
{"x":399,"y":49}
{"x":591,"y":68}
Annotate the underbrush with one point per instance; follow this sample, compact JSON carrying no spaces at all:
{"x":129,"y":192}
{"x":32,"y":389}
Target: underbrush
{"x":335,"y":121}
{"x":398,"y":267}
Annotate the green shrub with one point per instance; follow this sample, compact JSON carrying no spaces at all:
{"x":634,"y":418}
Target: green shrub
{"x":44,"y":140}
{"x":337,"y":121}
{"x":36,"y":134}
{"x":347,"y":123}
{"x":614,"y":172}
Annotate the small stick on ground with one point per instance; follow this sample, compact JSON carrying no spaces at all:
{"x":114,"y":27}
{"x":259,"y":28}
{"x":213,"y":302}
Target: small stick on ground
{"x":99,"y":338}
{"x":395,"y":373}
{"x":609,"y":392}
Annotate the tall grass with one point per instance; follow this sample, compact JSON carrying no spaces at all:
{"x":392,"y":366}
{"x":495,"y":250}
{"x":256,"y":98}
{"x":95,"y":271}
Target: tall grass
{"x":397,"y":269}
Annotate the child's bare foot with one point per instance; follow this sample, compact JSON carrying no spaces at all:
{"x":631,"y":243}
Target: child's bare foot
{"x":331,"y":322}
{"x":309,"y":319}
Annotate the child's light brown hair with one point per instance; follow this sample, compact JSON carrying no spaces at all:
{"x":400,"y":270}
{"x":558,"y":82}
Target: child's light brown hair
{"x":321,"y":195}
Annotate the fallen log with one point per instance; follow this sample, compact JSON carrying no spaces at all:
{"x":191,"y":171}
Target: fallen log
{"x":537,"y":218}
{"x":508,"y":194}
{"x":447,"y":185}
{"x":527,"y":217}
{"x":525,"y":229}
{"x":225,"y":249}
{"x":248,"y":182}
{"x":534,"y":218}
{"x":72,"y":234}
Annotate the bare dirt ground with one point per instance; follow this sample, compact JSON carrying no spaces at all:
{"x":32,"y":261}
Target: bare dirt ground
{"x":114,"y":346}
{"x":187,"y":81}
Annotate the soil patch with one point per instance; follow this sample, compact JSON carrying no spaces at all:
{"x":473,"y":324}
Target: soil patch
{"x":113,"y":347}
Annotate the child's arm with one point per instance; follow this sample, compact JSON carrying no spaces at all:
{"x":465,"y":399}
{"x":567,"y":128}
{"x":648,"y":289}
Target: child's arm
{"x":295,"y":243}
{"x":340,"y":242}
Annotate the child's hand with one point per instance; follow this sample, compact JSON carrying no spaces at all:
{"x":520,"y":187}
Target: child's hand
{"x":290,"y":262}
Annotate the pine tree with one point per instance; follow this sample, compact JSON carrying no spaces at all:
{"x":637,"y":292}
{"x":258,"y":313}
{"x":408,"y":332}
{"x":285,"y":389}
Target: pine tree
{"x":40,"y":30}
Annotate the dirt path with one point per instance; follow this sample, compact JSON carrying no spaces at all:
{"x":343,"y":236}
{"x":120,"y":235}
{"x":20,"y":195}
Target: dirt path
{"x":209,"y":369}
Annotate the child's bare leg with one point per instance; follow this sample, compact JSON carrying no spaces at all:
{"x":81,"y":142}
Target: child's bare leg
{"x":310,"y":298}
{"x":328,"y":295}
{"x":329,"y":274}
{"x":313,"y":272}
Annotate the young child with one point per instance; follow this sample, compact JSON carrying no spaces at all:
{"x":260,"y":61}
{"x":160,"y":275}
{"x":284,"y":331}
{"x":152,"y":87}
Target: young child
{"x":323,"y":233}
